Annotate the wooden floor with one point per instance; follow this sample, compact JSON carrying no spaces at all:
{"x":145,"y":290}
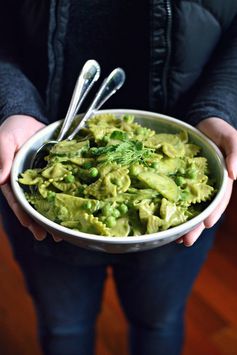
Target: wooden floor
{"x":211,"y":315}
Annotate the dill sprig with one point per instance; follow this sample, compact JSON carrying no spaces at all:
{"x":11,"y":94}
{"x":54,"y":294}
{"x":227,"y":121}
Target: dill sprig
{"x":125,"y":153}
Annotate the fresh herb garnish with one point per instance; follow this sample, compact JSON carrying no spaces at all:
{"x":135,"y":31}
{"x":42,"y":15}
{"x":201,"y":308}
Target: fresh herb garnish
{"x":126,"y":153}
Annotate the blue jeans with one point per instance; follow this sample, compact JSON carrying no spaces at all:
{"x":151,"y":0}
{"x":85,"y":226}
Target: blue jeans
{"x":66,"y":284}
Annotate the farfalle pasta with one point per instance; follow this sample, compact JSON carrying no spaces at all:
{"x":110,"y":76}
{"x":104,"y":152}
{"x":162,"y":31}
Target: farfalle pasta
{"x":121,"y":179}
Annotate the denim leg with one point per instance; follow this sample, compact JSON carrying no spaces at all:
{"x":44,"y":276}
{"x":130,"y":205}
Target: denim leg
{"x":67,"y":300}
{"x":153,"y":287}
{"x":66,"y":287}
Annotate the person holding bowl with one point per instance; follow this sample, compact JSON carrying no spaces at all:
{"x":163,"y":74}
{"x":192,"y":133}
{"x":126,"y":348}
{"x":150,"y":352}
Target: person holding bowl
{"x":180,"y":58}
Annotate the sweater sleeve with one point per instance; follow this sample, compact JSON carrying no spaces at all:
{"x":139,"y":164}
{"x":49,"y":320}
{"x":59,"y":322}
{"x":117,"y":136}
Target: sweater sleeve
{"x":217,"y":92}
{"x":18,"y":95}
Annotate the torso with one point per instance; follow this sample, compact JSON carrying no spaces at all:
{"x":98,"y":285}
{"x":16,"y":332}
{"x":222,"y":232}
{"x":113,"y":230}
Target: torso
{"x":115,"y":33}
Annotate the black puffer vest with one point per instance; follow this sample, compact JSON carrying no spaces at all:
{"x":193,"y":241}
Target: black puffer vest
{"x":183,"y":36}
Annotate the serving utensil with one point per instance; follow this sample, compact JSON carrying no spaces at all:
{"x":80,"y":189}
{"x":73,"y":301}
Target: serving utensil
{"x":88,"y":76}
{"x":109,"y":86}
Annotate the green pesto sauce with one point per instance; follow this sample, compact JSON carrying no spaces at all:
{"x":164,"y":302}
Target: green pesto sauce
{"x":124,"y":180}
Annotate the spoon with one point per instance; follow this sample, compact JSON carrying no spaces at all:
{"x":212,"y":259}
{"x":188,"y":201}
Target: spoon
{"x":88,"y":76}
{"x":109,"y":86}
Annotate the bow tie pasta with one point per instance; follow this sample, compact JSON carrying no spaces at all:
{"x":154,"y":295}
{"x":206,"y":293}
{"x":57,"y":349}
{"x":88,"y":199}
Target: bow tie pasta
{"x":121,"y":179}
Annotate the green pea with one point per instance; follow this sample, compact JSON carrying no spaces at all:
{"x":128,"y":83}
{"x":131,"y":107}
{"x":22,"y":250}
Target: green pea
{"x":123,"y":208}
{"x":184,"y":195}
{"x":135,"y":170}
{"x":87,"y":205}
{"x":155,"y":165}
{"x":180,"y":180}
{"x":106,"y":139}
{"x":116,"y":213}
{"x":107,"y":210}
{"x":69,"y":178}
{"x":51,"y":196}
{"x":110,"y":221}
{"x":93,"y":172}
{"x":191,"y":173}
{"x":93,"y":150}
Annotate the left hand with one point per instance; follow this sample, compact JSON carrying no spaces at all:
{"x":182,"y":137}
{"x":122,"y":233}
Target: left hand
{"x":14,"y":132}
{"x":225,"y":137}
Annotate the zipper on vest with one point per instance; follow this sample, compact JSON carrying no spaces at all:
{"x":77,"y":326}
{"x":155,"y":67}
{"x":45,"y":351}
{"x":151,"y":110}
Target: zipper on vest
{"x":58,"y":29}
{"x":168,"y":46}
{"x":52,"y":55}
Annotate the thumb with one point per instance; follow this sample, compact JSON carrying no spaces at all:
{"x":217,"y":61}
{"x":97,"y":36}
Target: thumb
{"x":7,"y":152}
{"x":230,"y":146}
{"x":225,"y":136}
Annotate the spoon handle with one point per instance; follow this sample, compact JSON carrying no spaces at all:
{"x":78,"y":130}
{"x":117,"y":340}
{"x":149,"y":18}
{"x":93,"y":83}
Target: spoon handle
{"x":109,"y":86}
{"x":88,"y":76}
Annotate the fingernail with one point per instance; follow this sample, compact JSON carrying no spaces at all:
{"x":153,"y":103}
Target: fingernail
{"x":56,"y":239}
{"x":179,"y":241}
{"x":37,"y":236}
{"x":233,"y":174}
{"x":234,"y":170}
{"x":188,"y":244}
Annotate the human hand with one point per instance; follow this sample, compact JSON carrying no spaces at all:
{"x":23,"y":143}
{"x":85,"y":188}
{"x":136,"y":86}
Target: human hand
{"x":14,"y":132}
{"x":225,"y":137}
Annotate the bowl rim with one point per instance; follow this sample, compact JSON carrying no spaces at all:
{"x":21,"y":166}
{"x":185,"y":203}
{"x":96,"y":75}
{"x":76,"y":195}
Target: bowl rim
{"x":177,"y":230}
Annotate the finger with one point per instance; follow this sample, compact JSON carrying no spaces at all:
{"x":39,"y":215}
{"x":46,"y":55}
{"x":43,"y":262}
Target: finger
{"x":209,"y":222}
{"x":225,"y":136}
{"x":7,"y":152}
{"x":190,"y":238}
{"x":179,"y":241}
{"x":38,"y":232}
{"x":56,"y":238}
{"x":229,"y":145}
{"x":221,"y":207}
{"x":231,"y":164}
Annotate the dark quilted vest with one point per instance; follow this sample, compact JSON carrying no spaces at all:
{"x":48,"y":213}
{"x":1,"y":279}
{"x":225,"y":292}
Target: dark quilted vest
{"x":183,"y":35}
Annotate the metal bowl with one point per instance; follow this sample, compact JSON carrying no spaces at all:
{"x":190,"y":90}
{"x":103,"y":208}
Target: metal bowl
{"x":132,"y":243}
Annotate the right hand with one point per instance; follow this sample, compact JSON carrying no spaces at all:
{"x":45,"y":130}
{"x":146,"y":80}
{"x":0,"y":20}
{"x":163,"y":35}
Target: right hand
{"x":14,"y":132}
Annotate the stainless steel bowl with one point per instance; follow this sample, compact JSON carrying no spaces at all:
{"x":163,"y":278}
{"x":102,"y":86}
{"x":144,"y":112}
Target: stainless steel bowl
{"x":124,"y":244}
